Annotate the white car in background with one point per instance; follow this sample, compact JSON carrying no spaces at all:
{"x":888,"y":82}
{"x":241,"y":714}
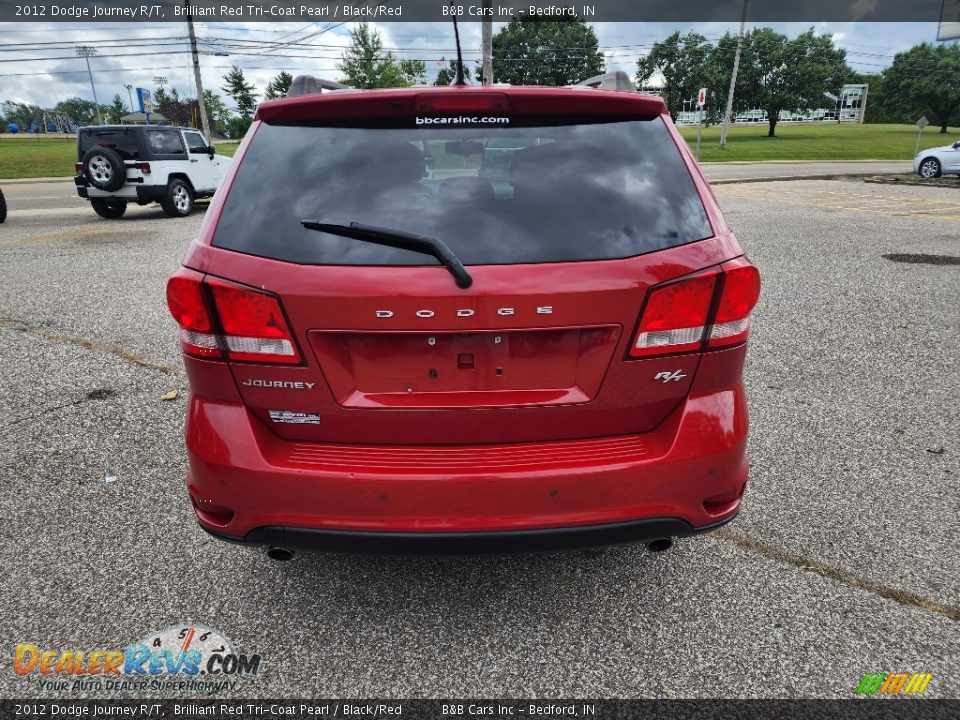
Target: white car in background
{"x":938,"y":161}
{"x":173,"y":166}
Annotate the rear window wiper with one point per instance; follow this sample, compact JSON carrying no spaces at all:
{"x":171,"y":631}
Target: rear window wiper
{"x":398,"y":239}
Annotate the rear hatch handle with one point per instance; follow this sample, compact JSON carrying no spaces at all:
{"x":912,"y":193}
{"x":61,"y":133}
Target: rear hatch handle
{"x":398,"y":239}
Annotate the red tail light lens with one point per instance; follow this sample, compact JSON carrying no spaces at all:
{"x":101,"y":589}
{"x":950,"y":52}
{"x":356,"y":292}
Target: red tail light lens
{"x":455,"y":100}
{"x":675,"y":317}
{"x":254,"y":328}
{"x":186,"y":303}
{"x":248,"y":324}
{"x":79,"y":168}
{"x":741,"y":290}
{"x":143,"y":167}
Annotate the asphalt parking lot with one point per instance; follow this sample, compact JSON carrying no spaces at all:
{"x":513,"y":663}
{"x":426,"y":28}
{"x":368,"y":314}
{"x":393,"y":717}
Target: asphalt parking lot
{"x":844,"y":560}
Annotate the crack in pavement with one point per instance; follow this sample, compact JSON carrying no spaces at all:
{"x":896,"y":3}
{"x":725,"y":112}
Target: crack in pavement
{"x":92,"y":396}
{"x":90,"y":345}
{"x":904,"y":597}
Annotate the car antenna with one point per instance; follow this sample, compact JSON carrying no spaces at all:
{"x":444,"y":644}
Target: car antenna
{"x":456,"y":34}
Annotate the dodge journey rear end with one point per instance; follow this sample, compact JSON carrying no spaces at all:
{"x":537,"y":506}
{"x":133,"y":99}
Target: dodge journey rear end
{"x":464,"y":319}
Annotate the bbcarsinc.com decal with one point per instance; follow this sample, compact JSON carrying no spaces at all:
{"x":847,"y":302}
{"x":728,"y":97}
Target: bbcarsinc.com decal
{"x":462,"y":120}
{"x":182,"y":658}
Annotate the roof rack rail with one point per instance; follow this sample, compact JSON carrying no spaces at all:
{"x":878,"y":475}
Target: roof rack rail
{"x":310,"y":85}
{"x":613,"y":80}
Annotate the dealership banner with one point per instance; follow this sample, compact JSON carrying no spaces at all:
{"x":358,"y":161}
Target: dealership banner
{"x":466,"y":10}
{"x":306,"y":709}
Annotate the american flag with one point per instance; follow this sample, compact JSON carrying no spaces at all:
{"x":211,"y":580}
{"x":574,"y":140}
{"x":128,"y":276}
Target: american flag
{"x":441,"y":62}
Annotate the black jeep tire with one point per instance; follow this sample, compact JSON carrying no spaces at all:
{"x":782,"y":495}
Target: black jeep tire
{"x":110,"y":209}
{"x":104,"y":169}
{"x":3,"y":207}
{"x":178,"y":202}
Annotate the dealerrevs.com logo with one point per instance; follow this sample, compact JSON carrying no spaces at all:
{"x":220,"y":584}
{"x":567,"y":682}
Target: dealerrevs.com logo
{"x":187,"y":658}
{"x":463,"y":120}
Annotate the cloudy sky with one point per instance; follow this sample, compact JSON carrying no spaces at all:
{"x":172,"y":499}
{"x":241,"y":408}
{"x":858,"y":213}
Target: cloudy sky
{"x":38,"y":63}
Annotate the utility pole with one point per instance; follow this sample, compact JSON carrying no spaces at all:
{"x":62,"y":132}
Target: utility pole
{"x":487,"y":42}
{"x":733,"y":77}
{"x":130,"y":95}
{"x":85,"y":51}
{"x":204,"y":122}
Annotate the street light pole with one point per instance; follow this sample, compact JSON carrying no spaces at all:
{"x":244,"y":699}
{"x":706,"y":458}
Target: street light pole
{"x":487,"y":42}
{"x":204,"y":121}
{"x":85,"y":51}
{"x":733,"y":77}
{"x":130,"y":95}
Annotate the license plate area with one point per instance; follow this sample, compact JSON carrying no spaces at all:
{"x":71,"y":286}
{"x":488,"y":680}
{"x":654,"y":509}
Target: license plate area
{"x":463,"y":369}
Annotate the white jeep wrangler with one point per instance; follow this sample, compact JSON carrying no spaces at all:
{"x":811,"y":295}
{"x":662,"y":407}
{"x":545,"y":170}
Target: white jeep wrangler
{"x":118,"y":164}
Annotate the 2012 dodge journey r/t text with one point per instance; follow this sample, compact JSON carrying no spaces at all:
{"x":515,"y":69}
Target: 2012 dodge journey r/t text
{"x":464,"y":319}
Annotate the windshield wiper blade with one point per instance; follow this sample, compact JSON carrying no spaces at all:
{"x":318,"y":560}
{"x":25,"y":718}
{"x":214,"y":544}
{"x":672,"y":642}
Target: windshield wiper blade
{"x":398,"y":239}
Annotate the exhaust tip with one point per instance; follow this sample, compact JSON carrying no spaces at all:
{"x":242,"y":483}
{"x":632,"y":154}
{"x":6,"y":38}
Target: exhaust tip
{"x":280,"y":554}
{"x":660,"y":545}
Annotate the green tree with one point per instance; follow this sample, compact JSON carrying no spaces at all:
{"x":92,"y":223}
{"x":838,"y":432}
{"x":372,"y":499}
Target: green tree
{"x":448,"y":74}
{"x":118,"y":108}
{"x":779,"y":73}
{"x":279,"y":86}
{"x":924,"y":80}
{"x":365,"y":65}
{"x":683,"y":63}
{"x":159,"y":96}
{"x":23,"y":114}
{"x":217,"y":111}
{"x":241,"y":91}
{"x":535,"y":51}
{"x":80,"y":110}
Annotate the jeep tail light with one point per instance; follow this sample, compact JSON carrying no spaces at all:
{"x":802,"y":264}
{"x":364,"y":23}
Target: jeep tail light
{"x":79,"y":168}
{"x":675,"y":317}
{"x":253,"y":324}
{"x":187,"y":305}
{"x":143,"y":167}
{"x":741,"y":290}
{"x":708,"y":310}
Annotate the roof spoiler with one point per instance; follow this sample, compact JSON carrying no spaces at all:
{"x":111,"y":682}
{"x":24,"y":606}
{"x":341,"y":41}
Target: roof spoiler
{"x":310,"y":85}
{"x":613,"y":80}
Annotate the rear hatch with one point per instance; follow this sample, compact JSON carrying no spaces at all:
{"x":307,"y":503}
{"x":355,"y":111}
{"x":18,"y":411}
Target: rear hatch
{"x":564,"y":206}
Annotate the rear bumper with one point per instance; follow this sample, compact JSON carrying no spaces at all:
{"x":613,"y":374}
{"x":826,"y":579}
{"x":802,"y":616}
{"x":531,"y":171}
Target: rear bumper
{"x":263,"y":489}
{"x":516,"y":541}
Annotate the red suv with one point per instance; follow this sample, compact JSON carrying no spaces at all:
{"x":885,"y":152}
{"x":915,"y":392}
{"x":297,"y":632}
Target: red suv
{"x":463,"y":319}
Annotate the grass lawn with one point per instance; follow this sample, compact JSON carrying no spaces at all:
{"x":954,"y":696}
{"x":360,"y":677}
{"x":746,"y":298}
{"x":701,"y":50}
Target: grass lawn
{"x":37,"y":156}
{"x":26,"y":157}
{"x":816,"y":141}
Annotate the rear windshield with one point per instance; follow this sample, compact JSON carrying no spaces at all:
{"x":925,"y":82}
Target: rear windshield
{"x":122,"y":140}
{"x":494,"y":195}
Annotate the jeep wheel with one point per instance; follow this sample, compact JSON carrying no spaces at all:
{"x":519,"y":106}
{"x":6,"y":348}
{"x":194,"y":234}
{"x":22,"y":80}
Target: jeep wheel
{"x":110,"y":209}
{"x":3,"y":208}
{"x":104,"y":168}
{"x":179,"y":199}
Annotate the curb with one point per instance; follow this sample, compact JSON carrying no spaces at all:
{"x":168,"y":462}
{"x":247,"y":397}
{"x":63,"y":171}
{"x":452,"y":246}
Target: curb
{"x":33,"y":181}
{"x":784,"y":178}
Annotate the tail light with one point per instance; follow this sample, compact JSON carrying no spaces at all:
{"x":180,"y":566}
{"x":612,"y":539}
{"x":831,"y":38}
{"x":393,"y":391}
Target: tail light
{"x":711,"y":309}
{"x":79,"y":168}
{"x":741,"y":290}
{"x":217,"y":317}
{"x":143,"y":167}
{"x":253,"y":325}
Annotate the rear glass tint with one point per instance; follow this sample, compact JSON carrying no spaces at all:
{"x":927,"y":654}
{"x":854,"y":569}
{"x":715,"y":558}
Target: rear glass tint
{"x":496,"y":195}
{"x":122,"y":140}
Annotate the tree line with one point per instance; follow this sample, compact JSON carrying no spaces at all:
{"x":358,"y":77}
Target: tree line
{"x":776,"y":74}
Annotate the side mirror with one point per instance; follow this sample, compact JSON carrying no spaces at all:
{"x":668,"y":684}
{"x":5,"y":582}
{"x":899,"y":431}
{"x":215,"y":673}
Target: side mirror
{"x":211,"y":151}
{"x":956,"y":145}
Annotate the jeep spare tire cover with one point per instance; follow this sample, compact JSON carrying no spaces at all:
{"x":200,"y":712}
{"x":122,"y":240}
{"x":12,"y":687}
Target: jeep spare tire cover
{"x":104,"y":168}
